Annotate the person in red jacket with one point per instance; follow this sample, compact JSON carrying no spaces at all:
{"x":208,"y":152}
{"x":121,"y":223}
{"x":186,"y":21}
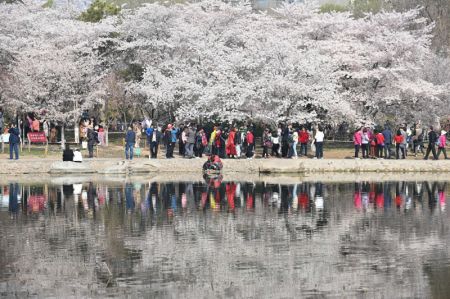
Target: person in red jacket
{"x":250,"y":141}
{"x":398,"y":140}
{"x":303,"y":138}
{"x":380,"y":145}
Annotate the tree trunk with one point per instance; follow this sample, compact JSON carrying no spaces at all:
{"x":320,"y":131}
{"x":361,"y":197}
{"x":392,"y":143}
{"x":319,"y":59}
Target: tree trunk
{"x":63,"y":138}
{"x":76,"y":131}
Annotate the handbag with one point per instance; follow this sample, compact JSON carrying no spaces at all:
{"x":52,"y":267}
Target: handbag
{"x":84,"y":145}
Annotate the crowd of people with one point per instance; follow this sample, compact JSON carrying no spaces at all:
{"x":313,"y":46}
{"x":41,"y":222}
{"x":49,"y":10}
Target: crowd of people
{"x":286,"y":141}
{"x":233,"y":142}
{"x":381,"y":143}
{"x":236,"y":142}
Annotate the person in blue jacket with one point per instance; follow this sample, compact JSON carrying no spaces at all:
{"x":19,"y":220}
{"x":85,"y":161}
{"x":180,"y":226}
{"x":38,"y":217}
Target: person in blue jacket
{"x":14,"y":141}
{"x":130,"y":140}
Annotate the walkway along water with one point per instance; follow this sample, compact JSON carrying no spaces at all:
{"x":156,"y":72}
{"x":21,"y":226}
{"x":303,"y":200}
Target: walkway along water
{"x":257,"y":166}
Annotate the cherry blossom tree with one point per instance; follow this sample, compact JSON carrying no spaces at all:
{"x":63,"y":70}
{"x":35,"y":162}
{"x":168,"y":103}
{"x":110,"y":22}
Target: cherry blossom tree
{"x":56,"y":67}
{"x":214,"y":60}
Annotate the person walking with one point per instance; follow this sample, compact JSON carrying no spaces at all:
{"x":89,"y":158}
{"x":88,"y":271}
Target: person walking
{"x":432,"y":138}
{"x":442,"y":143}
{"x":318,"y":141}
{"x":387,"y":134}
{"x":130,"y":140}
{"x":357,"y":141}
{"x":399,"y":145}
{"x":303,"y":139}
{"x":14,"y":141}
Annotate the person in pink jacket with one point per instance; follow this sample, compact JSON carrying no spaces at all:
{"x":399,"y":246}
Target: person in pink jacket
{"x":357,"y":140}
{"x":442,"y":144}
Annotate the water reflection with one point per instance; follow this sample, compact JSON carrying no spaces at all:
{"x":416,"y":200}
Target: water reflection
{"x":190,"y":239}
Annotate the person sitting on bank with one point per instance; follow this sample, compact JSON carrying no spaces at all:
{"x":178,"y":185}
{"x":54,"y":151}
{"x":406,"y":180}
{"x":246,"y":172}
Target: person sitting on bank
{"x":213,"y":163}
{"x":77,"y":157}
{"x":68,"y":154}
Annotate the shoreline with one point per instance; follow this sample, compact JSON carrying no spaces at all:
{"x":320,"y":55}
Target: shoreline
{"x":144,"y":166}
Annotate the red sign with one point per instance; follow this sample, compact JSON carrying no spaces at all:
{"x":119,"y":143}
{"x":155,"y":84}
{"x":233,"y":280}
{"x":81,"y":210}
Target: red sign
{"x":37,"y":137}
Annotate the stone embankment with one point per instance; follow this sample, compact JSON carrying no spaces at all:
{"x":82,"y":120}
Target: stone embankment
{"x":256,"y":166}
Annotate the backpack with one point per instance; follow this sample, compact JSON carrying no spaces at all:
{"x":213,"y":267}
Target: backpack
{"x":291,"y":138}
{"x":204,"y":140}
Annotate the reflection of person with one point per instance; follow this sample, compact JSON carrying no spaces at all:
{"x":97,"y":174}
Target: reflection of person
{"x":129,"y":197}
{"x":13,"y":198}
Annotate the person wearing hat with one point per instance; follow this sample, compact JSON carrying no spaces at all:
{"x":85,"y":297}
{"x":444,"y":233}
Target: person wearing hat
{"x":442,"y":143}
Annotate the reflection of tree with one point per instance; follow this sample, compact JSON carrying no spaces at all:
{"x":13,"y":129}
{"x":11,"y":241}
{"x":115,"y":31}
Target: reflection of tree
{"x":254,"y":251}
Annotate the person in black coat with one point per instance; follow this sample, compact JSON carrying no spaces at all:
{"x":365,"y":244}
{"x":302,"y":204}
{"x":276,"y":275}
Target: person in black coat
{"x":153,"y":138}
{"x":92,"y":140}
{"x":68,"y":154}
{"x":14,"y":141}
{"x":432,"y":138}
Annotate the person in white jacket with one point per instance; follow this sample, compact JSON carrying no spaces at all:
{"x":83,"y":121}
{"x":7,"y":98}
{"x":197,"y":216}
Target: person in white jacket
{"x":77,"y":157}
{"x":318,"y":141}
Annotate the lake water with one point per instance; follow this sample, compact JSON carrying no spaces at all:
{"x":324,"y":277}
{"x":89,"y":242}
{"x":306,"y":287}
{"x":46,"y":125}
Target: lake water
{"x":224,"y":239}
